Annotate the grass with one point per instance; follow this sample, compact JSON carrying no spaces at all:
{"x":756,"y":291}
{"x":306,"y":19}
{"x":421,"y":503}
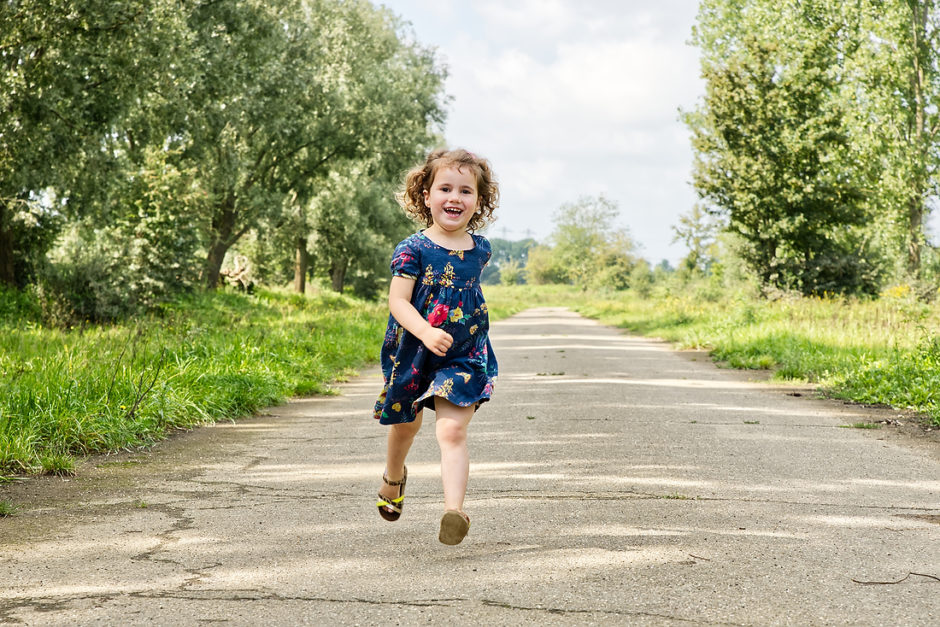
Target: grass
{"x":203,"y":358}
{"x":7,"y":509}
{"x":883,"y":351}
{"x":219,"y":356}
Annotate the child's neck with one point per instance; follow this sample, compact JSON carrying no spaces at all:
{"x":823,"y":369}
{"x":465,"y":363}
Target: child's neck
{"x":455,"y":240}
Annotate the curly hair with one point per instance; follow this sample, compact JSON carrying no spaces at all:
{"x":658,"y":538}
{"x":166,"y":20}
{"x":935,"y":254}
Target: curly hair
{"x":419,"y":179}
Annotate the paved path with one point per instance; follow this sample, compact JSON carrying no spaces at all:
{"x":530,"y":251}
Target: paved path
{"x":613,"y":482}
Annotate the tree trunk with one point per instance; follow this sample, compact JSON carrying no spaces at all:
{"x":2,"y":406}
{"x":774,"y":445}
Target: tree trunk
{"x":214,"y":263}
{"x":7,"y":269}
{"x":300,"y":266}
{"x":222,"y":226}
{"x":920,"y":151}
{"x":338,"y":274}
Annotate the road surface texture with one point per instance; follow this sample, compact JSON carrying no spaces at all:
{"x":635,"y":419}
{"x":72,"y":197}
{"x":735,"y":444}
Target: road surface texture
{"x":613,"y":481}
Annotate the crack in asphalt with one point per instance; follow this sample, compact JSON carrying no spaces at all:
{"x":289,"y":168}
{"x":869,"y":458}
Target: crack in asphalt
{"x":614,"y":496}
{"x":571,"y":611}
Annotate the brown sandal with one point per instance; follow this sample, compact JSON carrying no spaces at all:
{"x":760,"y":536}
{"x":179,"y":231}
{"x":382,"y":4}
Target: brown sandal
{"x":390,"y":509}
{"x":454,"y":527}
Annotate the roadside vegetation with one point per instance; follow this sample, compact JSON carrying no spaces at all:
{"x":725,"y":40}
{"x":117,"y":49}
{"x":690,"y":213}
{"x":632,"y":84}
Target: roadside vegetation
{"x":237,"y":150}
{"x":883,"y":351}
{"x":202,"y":358}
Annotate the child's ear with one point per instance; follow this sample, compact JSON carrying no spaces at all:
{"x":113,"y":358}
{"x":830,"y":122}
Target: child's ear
{"x":426,"y":196}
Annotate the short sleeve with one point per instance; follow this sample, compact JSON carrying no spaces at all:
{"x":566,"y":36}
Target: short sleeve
{"x":405,"y":260}
{"x":486,"y":249}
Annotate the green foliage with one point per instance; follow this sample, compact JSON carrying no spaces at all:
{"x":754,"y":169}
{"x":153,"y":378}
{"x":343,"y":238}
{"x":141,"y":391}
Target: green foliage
{"x":69,"y":71}
{"x":207,"y":357}
{"x":355,"y":224}
{"x":773,"y":154}
{"x":698,"y":230}
{"x":159,"y":132}
{"x":818,"y":136}
{"x":863,"y":350}
{"x":507,"y":252}
{"x":544,"y":268}
{"x":587,"y":249}
{"x":510,"y":273}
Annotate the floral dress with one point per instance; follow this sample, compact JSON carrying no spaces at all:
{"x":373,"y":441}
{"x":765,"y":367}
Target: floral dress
{"x":447,"y":293}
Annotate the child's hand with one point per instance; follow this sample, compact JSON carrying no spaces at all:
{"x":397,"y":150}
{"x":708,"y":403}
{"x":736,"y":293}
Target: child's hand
{"x":437,"y":340}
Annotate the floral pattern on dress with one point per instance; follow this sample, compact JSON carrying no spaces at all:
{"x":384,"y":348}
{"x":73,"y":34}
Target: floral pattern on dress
{"x":448,"y":296}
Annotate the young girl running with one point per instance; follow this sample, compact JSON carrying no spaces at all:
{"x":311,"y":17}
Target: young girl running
{"x":437,"y":351}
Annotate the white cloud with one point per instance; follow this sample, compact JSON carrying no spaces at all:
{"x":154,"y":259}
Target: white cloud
{"x":569,"y":99}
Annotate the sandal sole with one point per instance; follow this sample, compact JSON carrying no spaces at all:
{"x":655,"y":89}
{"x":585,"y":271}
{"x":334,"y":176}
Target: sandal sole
{"x":454,"y":528}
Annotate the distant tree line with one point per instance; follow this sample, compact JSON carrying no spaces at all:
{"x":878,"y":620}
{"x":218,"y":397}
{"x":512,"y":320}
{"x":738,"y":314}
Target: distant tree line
{"x":144,"y":142}
{"x":587,"y":248}
{"x":816,"y":144}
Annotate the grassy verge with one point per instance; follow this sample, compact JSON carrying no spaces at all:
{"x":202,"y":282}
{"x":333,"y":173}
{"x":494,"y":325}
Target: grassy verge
{"x":204,"y":358}
{"x":884,"y":351}
{"x":224,"y":355}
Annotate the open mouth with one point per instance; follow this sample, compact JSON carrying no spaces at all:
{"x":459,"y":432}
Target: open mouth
{"x":453,"y":211}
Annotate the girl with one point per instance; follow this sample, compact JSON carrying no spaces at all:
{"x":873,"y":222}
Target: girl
{"x":437,"y":351}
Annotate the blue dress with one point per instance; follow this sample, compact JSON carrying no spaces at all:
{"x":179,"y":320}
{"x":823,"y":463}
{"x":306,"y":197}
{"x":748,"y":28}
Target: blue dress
{"x":447,"y":293}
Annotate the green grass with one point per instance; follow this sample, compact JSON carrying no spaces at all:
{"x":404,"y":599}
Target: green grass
{"x":7,"y":509}
{"x":884,"y":351}
{"x":64,"y":394}
{"x":203,"y":358}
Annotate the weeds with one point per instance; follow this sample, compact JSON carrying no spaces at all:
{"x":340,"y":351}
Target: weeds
{"x":202,"y":358}
{"x":7,"y":509}
{"x":58,"y":464}
{"x":884,"y":351}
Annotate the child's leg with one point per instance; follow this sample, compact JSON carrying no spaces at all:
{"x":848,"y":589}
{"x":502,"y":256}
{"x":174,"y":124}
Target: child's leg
{"x":400,"y":439}
{"x":451,"y":428}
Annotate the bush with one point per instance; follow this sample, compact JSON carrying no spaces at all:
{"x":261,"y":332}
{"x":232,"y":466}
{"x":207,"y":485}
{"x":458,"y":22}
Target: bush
{"x":510,"y":273}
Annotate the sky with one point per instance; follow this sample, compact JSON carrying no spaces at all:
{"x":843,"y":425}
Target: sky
{"x":571,"y":98}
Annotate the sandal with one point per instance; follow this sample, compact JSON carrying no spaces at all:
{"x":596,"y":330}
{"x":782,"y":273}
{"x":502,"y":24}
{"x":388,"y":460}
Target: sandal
{"x":390,"y":509}
{"x":454,"y":527}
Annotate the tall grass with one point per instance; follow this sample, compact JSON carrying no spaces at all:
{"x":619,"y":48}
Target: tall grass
{"x":223,"y":355}
{"x":203,"y":358}
{"x":884,"y":351}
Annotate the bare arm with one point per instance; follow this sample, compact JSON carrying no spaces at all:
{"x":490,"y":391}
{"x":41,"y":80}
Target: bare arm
{"x":399,"y":303}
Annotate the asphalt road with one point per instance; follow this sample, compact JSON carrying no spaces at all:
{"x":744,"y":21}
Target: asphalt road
{"x":613,"y":481}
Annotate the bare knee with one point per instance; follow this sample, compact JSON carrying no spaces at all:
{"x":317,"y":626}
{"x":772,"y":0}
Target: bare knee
{"x":406,"y":431}
{"x":451,"y":432}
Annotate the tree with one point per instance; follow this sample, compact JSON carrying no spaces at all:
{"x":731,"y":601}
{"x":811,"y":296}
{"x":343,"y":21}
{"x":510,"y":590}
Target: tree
{"x":896,"y":72}
{"x":290,"y":90}
{"x":772,"y":148}
{"x":588,"y":244}
{"x":69,"y":71}
{"x":697,"y":229}
{"x":354,"y":223}
{"x":507,"y":252}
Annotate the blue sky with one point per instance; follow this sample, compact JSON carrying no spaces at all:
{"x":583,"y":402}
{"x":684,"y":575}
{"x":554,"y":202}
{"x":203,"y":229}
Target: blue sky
{"x":571,"y":98}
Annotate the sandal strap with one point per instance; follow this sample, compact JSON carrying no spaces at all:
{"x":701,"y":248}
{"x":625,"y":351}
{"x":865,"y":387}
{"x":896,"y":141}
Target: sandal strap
{"x":394,"y":483}
{"x":392,"y":504}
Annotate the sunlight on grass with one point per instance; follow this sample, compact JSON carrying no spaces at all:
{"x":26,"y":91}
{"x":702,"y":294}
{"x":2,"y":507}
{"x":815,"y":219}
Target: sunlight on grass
{"x":202,"y":358}
{"x":883,"y":351}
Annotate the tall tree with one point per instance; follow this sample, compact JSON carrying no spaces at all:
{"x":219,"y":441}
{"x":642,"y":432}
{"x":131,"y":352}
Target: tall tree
{"x":897,"y":72}
{"x":772,"y":149}
{"x":69,"y":70}
{"x":290,"y":89}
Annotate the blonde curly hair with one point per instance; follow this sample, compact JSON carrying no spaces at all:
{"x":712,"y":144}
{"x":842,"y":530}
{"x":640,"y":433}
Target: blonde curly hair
{"x":419,"y":180}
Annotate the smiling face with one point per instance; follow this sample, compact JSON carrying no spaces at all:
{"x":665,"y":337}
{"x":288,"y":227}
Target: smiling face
{"x":452,"y":198}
